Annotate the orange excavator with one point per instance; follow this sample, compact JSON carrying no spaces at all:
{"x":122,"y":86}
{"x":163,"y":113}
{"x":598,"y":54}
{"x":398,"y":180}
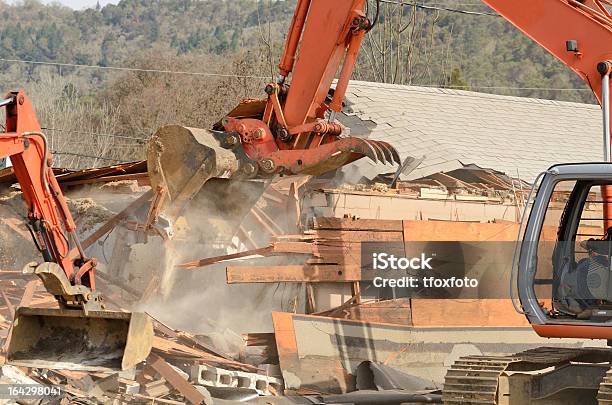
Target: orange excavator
{"x":565,"y":290}
{"x":562,"y":271}
{"x":288,"y":133}
{"x":293,"y":131}
{"x":564,"y":286}
{"x":81,"y":333}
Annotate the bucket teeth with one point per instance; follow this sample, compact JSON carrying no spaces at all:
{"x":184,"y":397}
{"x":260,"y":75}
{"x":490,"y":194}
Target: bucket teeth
{"x":379,"y":151}
{"x":368,"y":150}
{"x":395,"y":155}
{"x":386,"y":151}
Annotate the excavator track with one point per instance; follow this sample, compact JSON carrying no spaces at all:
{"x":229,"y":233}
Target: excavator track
{"x":475,"y":379}
{"x":604,"y":395}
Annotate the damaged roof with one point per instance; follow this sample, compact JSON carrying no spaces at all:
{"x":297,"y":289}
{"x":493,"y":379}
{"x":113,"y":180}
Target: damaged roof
{"x":454,"y":128}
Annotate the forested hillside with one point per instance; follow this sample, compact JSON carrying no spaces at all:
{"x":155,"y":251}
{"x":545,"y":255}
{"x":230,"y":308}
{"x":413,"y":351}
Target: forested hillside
{"x":242,"y":40}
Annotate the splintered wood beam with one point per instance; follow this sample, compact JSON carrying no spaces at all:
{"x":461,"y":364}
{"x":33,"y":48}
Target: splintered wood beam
{"x":183,"y":386}
{"x":292,"y":274}
{"x":268,"y":227}
{"x":356,"y":291}
{"x":360,"y":236}
{"x":294,"y":247}
{"x":348,"y":224}
{"x":107,"y":179}
{"x":111,"y":223}
{"x":266,"y":251}
{"x":188,"y":340}
{"x":245,"y":238}
{"x":278,"y":229}
{"x":310,"y":299}
{"x":178,"y":349}
{"x":259,"y":339}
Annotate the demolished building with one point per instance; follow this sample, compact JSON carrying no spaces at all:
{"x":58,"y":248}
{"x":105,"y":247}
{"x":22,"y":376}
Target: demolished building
{"x":311,"y":326}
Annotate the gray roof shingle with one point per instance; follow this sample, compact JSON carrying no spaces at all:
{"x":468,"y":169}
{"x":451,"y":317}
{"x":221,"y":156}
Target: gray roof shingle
{"x":452,"y":128}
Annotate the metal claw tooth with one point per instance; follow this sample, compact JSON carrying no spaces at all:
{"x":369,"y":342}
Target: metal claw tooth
{"x":385,"y":147}
{"x":396,"y":157}
{"x":367,"y":150}
{"x":378,"y":149}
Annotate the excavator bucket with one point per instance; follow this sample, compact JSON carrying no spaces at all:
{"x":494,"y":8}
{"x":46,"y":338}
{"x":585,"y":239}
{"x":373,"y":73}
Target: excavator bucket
{"x":182,"y":159}
{"x":68,"y":339}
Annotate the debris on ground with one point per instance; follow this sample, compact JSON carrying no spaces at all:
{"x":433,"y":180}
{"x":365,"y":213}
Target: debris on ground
{"x":290,"y":345}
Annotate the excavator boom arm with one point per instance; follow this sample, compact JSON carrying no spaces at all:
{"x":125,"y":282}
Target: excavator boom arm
{"x":578,"y":33}
{"x":50,"y":221}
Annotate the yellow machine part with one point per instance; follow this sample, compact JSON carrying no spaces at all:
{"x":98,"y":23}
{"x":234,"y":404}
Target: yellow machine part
{"x":67,"y":339}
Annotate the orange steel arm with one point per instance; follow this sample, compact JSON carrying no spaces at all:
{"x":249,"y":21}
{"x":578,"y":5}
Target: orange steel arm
{"x":49,"y":219}
{"x":291,"y":135}
{"x":551,"y":23}
{"x":579,"y":34}
{"x":331,"y":29}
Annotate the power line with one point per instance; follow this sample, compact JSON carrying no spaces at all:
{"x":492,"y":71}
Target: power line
{"x":139,"y":140}
{"x":469,"y":87}
{"x":56,"y":152}
{"x":263,"y":77}
{"x":439,"y":8}
{"x":121,"y":68}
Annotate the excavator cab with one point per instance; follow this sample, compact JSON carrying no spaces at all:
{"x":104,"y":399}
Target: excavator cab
{"x":564,"y":279}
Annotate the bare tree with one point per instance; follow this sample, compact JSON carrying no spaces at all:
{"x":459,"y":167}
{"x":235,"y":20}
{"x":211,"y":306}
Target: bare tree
{"x":402,"y":46}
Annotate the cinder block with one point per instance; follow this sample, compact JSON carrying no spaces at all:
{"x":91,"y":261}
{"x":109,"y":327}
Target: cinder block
{"x":208,"y":376}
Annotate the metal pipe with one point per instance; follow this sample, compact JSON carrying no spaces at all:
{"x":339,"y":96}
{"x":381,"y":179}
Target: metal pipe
{"x":605,"y":107}
{"x":347,"y":70}
{"x":295,"y":32}
{"x":7,"y":101}
{"x":605,"y":68}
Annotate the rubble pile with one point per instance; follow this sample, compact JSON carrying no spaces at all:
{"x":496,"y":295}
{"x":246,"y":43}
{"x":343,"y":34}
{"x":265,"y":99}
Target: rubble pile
{"x":203,"y":278}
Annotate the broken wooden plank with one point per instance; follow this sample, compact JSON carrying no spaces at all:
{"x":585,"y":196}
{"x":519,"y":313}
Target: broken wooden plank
{"x":106,"y":179}
{"x":266,"y":251}
{"x":356,"y":291}
{"x":179,"y":349}
{"x":350,"y":224}
{"x":465,"y":313}
{"x":259,"y":339}
{"x":359,"y":236}
{"x":176,"y":380}
{"x":114,"y":221}
{"x":396,"y":311}
{"x":292,"y":274}
{"x":311,"y":303}
{"x":188,"y":339}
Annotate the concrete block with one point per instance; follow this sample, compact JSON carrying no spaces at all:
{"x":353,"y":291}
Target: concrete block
{"x":209,"y":376}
